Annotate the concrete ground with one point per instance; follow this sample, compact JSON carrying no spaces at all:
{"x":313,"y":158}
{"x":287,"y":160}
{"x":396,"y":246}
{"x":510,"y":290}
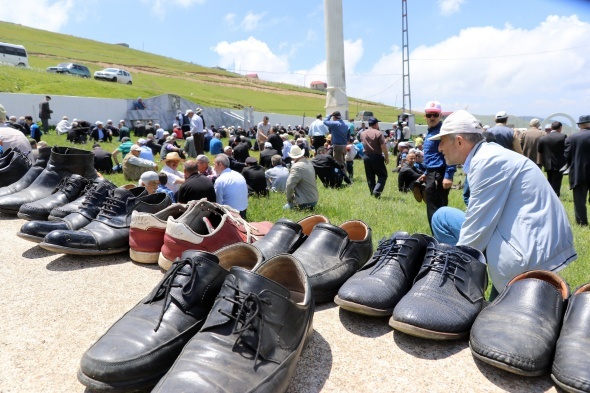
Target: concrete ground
{"x":53,"y":307}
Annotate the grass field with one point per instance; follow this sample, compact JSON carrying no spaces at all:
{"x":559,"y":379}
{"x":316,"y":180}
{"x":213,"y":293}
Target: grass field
{"x":393,"y":212}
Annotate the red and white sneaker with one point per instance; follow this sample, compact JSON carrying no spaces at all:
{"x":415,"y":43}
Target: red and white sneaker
{"x":146,"y":235}
{"x":207,"y":226}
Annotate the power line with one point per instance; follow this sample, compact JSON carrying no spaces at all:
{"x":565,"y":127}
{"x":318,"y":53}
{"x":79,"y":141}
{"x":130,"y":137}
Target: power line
{"x":503,"y":56}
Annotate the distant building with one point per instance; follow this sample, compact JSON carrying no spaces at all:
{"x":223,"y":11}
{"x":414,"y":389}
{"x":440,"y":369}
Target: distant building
{"x":318,"y":85}
{"x":253,"y":76}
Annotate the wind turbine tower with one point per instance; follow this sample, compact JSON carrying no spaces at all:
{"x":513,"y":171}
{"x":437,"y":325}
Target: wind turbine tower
{"x":407,"y":96}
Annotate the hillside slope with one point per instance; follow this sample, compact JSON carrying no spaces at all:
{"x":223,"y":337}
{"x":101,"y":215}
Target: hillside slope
{"x":152,"y":75}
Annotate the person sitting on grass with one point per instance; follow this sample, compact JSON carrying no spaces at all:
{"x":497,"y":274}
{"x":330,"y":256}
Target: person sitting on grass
{"x":163,"y":179}
{"x":150,"y":181}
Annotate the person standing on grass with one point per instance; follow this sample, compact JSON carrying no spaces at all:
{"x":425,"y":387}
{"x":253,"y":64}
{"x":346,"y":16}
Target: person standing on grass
{"x":340,"y":134}
{"x":513,"y":214}
{"x":439,"y":175}
{"x":375,"y":158}
{"x":45,"y":114}
{"x":577,"y":148}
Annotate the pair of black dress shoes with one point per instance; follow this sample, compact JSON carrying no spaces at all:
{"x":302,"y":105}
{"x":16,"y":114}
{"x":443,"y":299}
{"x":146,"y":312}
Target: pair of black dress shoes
{"x":431,"y":290}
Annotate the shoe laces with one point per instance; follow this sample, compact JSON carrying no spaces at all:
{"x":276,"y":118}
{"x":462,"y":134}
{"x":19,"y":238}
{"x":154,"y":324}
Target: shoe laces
{"x":66,"y":184}
{"x":90,"y":194}
{"x":249,"y":310}
{"x":112,"y":206}
{"x":163,"y":291}
{"x":448,"y":263}
{"x":388,"y":250}
{"x":234,"y":216}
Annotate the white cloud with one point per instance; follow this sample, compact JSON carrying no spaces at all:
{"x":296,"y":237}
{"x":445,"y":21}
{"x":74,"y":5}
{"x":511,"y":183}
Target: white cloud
{"x":251,"y":56}
{"x":41,"y":14}
{"x":449,"y":7}
{"x":250,"y":22}
{"x":230,"y":18}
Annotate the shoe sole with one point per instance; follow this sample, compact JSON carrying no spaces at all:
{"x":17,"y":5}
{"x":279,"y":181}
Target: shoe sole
{"x":31,"y":238}
{"x":164,"y":263}
{"x":127,"y":386}
{"x":361,"y":309}
{"x":80,"y":251}
{"x":565,"y":387}
{"x":504,"y":366}
{"x":144,"y":257}
{"x":425,"y":333}
{"x":29,"y":217}
{"x":9,"y":212}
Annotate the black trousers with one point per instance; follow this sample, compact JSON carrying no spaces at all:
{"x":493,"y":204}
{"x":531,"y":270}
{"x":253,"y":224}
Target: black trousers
{"x":375,"y":168}
{"x":555,"y":177}
{"x":436,"y":195}
{"x":45,"y":125}
{"x":318,"y":141}
{"x":580,"y":196}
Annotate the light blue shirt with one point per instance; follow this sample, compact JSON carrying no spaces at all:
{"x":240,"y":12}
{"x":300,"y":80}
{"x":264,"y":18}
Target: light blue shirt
{"x":146,"y":153}
{"x":276,"y":178}
{"x":318,"y":128}
{"x":231,"y":189}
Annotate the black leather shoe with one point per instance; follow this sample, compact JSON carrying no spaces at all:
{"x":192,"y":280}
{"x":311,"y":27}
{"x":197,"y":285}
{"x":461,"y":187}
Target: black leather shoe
{"x":571,"y":365}
{"x":285,"y":236}
{"x":13,"y":167}
{"x":93,"y":201}
{"x":254,"y":335}
{"x":68,"y":189}
{"x":447,"y":294}
{"x":332,"y":254}
{"x":61,"y":211}
{"x":108,"y":233}
{"x":379,"y":285}
{"x":64,"y":162}
{"x":518,"y":331}
{"x":141,"y":346}
{"x":31,"y":175}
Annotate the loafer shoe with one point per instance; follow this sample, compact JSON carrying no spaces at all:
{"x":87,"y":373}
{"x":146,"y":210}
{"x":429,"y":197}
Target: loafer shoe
{"x":379,"y":285}
{"x":518,"y":331}
{"x":108,"y":233}
{"x":254,"y":335}
{"x":28,"y":178}
{"x":207,"y":226}
{"x":571,"y":365}
{"x":447,"y":294}
{"x":285,"y":236}
{"x":332,"y":254}
{"x":141,"y":346}
{"x":146,"y":234}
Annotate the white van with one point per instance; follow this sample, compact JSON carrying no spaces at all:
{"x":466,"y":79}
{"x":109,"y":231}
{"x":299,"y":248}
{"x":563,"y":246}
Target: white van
{"x":13,"y":54}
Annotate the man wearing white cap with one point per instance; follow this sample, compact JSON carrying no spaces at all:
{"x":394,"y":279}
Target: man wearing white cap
{"x":504,"y":135}
{"x":438,"y":176}
{"x":513,"y":214}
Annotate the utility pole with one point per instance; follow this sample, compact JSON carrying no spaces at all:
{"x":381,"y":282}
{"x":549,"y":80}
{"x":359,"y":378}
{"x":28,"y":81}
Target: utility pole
{"x":407,"y":96}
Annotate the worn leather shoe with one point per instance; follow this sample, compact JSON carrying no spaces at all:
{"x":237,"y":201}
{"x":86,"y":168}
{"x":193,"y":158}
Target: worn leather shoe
{"x":108,"y":233}
{"x":68,"y":189}
{"x":33,"y":172}
{"x":63,"y":162}
{"x":13,"y":166}
{"x":571,"y":366}
{"x":93,"y":201}
{"x":285,"y":236}
{"x":332,"y":254}
{"x":518,"y":331}
{"x":447,"y":294}
{"x":379,"y":285}
{"x":254,"y":335}
{"x":141,"y":346}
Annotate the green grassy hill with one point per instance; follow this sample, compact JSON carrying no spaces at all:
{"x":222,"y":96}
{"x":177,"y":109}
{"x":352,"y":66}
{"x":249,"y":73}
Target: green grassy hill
{"x":152,"y":75}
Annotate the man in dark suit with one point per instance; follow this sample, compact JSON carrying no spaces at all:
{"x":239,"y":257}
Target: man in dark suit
{"x":328,"y":169}
{"x":242,"y":150}
{"x":45,"y":114}
{"x":196,"y":186}
{"x":103,"y":162}
{"x":255,"y":178}
{"x":576,"y":154}
{"x":551,"y":148}
{"x":266,"y":155}
{"x":275,"y":139}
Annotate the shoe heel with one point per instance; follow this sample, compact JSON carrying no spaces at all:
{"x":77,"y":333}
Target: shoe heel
{"x":163,"y":262}
{"x":144,"y":257}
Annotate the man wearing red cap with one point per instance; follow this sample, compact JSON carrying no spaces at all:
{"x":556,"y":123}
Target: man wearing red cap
{"x":438,"y":175}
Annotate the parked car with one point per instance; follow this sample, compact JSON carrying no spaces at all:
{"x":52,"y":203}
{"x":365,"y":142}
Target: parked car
{"x":13,"y":54}
{"x":70,"y":68}
{"x":114,"y":75}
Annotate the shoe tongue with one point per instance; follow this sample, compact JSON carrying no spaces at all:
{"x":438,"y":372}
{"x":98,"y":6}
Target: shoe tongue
{"x":200,"y":256}
{"x":123,"y":193}
{"x":248,"y":281}
{"x":400,"y":237}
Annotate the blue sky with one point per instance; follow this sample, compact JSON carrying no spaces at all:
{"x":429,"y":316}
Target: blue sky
{"x":523,"y":56}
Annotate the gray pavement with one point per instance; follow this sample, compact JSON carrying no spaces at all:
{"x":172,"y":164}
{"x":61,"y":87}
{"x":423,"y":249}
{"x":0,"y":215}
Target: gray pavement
{"x":53,"y":307}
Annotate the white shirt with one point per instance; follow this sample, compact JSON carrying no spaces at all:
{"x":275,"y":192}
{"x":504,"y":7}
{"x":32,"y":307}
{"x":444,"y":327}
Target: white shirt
{"x":63,"y":127}
{"x":173,"y":175}
{"x":318,"y":128}
{"x":263,"y":129}
{"x":196,"y":125}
